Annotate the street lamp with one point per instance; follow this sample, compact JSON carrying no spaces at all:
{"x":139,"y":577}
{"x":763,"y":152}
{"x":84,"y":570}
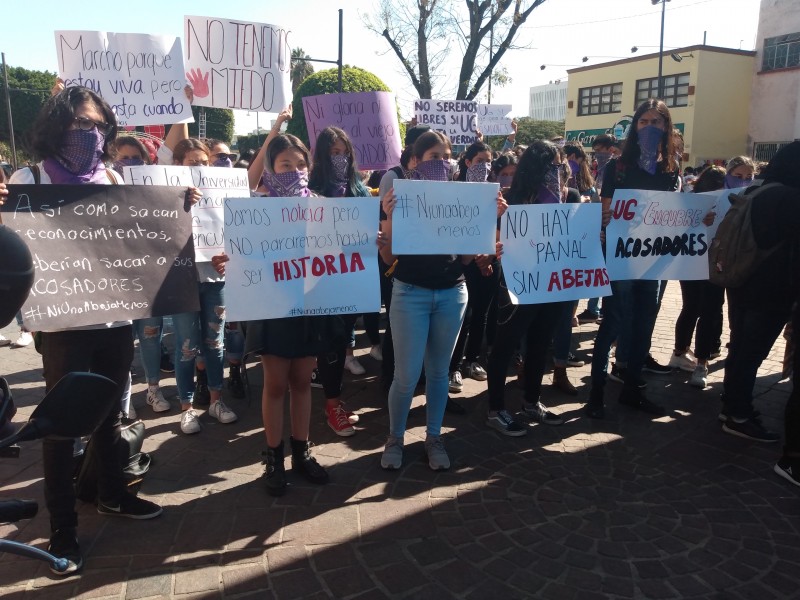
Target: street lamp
{"x":661,"y":48}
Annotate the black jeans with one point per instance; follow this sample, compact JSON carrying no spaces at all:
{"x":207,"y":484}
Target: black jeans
{"x":791,"y":420}
{"x":702,"y":306}
{"x":107,"y":352}
{"x":753,"y":332}
{"x":482,"y":291}
{"x":331,"y":363}
{"x":514,"y":321}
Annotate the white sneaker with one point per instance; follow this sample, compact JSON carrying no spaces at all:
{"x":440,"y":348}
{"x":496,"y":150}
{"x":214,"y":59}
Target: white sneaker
{"x":684,"y":362}
{"x":375,"y":352}
{"x":699,"y":377}
{"x":351,"y":364}
{"x":476,"y":371}
{"x":456,"y":382}
{"x":220,"y":411}
{"x":131,"y":414}
{"x":4,"y":341}
{"x":156,"y":399}
{"x":189,"y":422}
{"x":25,"y":339}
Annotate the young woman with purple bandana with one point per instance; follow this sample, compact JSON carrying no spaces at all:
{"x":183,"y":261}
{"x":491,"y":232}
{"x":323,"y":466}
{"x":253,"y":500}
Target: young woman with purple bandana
{"x":335,"y":175}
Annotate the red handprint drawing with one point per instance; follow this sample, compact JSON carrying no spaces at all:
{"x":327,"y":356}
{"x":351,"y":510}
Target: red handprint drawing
{"x":199,"y":82}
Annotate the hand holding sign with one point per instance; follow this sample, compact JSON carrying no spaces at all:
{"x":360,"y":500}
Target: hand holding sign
{"x":199,"y":83}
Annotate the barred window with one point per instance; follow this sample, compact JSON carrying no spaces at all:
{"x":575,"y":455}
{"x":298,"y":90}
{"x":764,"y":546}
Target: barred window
{"x":676,"y":90}
{"x":600,"y":100}
{"x":781,"y":52}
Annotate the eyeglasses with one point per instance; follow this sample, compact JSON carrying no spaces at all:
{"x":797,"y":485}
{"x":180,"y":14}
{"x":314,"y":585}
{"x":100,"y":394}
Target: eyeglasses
{"x":223,"y":156}
{"x":88,"y":124}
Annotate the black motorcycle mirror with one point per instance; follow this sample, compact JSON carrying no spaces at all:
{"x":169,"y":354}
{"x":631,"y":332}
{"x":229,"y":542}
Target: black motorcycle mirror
{"x":75,"y":407}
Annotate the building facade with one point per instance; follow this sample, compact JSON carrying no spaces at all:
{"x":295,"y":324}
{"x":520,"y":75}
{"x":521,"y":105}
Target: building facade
{"x":548,"y":102}
{"x":775,"y":96}
{"x":705,"y":88}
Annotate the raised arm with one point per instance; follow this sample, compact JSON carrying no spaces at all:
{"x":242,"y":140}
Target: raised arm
{"x":257,"y":166}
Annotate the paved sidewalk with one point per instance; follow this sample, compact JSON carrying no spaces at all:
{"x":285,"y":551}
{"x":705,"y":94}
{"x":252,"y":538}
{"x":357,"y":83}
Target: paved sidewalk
{"x":627,"y":507}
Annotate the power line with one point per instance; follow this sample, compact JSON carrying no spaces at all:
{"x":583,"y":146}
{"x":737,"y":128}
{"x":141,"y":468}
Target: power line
{"x":614,"y":19}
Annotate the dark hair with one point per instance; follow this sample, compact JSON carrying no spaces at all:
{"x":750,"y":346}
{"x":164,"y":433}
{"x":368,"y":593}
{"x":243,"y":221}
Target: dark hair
{"x":185,"y":146}
{"x":504,"y":160}
{"x":241,"y":164}
{"x":785,"y":166}
{"x":631,"y":151}
{"x":605,"y":140}
{"x":428,"y":140}
{"x":321,"y":176}
{"x":129,"y":140}
{"x":583,"y":178}
{"x":712,"y":178}
{"x":57,"y":116}
{"x":282,"y":142}
{"x":474,"y":149}
{"x":531,"y":170}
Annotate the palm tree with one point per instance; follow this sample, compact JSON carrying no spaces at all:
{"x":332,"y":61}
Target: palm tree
{"x":301,"y":68}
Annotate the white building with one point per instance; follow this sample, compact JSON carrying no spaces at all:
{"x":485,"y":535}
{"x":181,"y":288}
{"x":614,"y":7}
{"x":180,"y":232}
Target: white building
{"x":775,"y":95}
{"x":548,"y":102}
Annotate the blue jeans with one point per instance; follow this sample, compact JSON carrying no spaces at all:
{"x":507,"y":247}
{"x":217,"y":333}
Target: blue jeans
{"x":234,"y":342}
{"x":562,"y":339}
{"x":425,"y":325}
{"x":628,"y":314}
{"x":206,"y":327}
{"x":149,"y":333}
{"x":593,"y":306}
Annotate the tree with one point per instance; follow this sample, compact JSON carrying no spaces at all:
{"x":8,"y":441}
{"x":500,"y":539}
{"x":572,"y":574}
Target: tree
{"x":301,"y":68}
{"x":219,"y":123}
{"x":528,"y":130}
{"x":421,"y":34}
{"x":326,"y":82}
{"x":29,"y":90}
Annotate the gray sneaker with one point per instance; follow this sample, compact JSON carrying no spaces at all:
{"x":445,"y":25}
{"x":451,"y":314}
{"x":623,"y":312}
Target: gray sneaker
{"x":538,"y":412}
{"x":392,"y":457}
{"x":437,"y":457}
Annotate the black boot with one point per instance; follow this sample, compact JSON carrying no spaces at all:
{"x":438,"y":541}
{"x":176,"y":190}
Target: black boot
{"x":305,"y":464}
{"x":275,"y":472}
{"x":633,"y":397}
{"x":596,"y":408}
{"x":235,"y":383}
{"x":202,"y":397}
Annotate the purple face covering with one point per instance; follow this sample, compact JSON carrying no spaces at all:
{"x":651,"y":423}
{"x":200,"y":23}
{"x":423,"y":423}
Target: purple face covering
{"x":649,"y":142}
{"x":80,"y":155}
{"x":550,"y":191}
{"x":479,"y":172}
{"x":127,"y":162}
{"x":433,"y":170}
{"x":574,"y":167}
{"x":222,"y":162}
{"x":731,"y":181}
{"x":505,"y":180}
{"x":602,"y":159}
{"x":340,"y":162}
{"x":286,"y":185}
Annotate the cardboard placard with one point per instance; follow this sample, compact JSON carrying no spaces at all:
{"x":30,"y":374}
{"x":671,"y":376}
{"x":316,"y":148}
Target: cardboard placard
{"x":454,"y":118}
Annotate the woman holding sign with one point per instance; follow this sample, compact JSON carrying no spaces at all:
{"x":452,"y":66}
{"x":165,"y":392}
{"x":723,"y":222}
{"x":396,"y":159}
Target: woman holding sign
{"x":541,"y":178}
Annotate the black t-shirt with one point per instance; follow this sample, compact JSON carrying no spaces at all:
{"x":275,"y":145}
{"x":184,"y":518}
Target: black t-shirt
{"x":625,"y":177}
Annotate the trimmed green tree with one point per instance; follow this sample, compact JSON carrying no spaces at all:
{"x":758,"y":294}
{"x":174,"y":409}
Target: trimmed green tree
{"x":219,"y":124}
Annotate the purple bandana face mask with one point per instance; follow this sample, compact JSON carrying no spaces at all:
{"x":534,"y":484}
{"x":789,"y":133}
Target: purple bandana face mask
{"x":433,"y":170}
{"x":649,"y":141}
{"x":286,"y":185}
{"x":127,"y":162}
{"x":602,"y":159}
{"x":222,"y":162}
{"x":81,"y":151}
{"x":505,"y":180}
{"x":731,"y":181}
{"x":340,"y":163}
{"x":550,"y":190}
{"x":479,"y":172}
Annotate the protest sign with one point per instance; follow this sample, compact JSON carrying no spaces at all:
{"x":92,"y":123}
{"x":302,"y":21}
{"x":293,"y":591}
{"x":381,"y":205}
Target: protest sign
{"x":215,"y":183}
{"x":658,"y":235}
{"x":238,"y":64}
{"x":139,"y":75}
{"x":552,"y":253}
{"x":103,"y":253}
{"x":720,"y":207}
{"x":444,"y":217}
{"x":454,"y":118}
{"x":493,"y":119}
{"x":368,"y":118}
{"x":294,"y":257}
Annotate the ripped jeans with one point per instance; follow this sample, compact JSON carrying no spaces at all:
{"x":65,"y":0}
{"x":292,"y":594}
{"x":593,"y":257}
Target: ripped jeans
{"x":149,"y":332}
{"x":206,"y":327}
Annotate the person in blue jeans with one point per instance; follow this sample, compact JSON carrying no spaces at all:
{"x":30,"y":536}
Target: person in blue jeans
{"x":647,"y":163}
{"x":429,"y":298}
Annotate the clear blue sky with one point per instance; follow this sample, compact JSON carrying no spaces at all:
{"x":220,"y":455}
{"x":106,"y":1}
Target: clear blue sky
{"x":560,"y":32}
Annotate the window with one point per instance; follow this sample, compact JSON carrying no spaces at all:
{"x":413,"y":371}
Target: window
{"x":781,"y":52}
{"x":676,"y":90}
{"x":600,"y":100}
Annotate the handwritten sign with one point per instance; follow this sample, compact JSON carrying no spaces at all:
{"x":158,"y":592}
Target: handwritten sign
{"x":454,"y":118}
{"x":293,"y":257}
{"x":658,"y":235}
{"x":139,"y":75}
{"x":238,"y":64}
{"x":103,"y":253}
{"x":444,"y":217}
{"x":215,"y":183}
{"x":493,"y":119}
{"x":552,"y":253}
{"x":368,"y":118}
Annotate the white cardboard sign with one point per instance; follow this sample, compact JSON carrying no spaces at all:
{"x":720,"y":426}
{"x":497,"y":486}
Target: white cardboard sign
{"x":493,"y":119}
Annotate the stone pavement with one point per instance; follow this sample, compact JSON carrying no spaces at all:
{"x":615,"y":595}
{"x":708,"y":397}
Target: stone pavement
{"x":627,"y":507}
